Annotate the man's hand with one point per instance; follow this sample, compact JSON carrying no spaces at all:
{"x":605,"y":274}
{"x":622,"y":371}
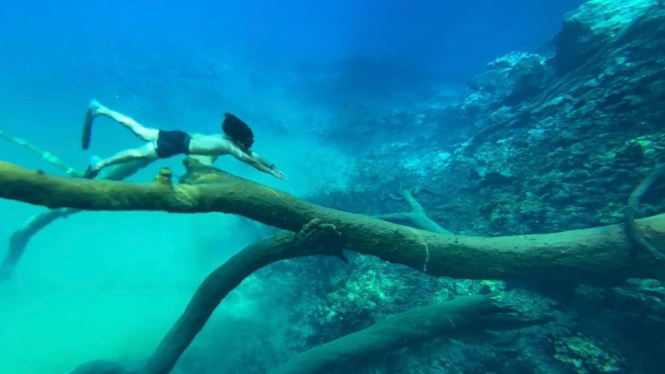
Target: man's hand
{"x":262,"y":164}
{"x":277,"y":174}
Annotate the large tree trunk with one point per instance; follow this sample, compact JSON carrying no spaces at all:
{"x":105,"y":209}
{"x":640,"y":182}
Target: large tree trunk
{"x":601,"y":255}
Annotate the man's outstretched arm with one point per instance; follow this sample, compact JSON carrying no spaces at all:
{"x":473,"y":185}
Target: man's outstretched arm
{"x":259,"y":163}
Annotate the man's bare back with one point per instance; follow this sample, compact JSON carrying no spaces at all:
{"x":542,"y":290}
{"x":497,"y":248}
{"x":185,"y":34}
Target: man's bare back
{"x":212,"y":145}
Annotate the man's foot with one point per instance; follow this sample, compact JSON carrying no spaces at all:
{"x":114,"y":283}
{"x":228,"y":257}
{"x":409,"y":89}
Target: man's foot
{"x":90,"y":114}
{"x":93,"y":169}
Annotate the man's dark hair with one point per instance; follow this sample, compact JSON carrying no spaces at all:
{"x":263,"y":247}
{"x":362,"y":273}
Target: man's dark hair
{"x":238,"y":130}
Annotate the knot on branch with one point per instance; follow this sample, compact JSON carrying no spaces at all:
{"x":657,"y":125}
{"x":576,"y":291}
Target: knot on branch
{"x":412,"y":192}
{"x":317,"y":236}
{"x":164,"y":177}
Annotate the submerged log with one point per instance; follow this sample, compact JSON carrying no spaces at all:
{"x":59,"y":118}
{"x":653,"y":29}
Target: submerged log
{"x":316,"y":238}
{"x":461,"y":315}
{"x":600,"y":255}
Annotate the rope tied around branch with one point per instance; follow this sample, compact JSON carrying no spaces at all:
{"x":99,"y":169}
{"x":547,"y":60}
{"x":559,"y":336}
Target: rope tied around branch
{"x":320,"y":237}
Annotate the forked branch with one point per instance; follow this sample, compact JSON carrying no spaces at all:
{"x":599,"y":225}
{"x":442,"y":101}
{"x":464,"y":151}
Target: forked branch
{"x":416,"y":217}
{"x":600,"y":255}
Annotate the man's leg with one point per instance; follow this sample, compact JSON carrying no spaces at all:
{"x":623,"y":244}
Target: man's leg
{"x":145,"y":152}
{"x":96,"y":109}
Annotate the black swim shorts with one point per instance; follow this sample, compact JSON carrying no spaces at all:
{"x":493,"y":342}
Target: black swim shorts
{"x":171,"y":143}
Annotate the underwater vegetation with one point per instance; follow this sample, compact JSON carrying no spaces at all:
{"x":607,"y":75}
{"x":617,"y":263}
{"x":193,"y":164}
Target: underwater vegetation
{"x":522,"y":251}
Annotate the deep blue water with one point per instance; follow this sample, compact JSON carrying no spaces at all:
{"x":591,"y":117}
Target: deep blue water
{"x":274,"y":41}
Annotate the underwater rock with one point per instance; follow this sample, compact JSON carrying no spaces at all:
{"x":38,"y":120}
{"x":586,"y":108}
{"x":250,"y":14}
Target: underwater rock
{"x":372,"y":292}
{"x":588,"y":28}
{"x":509,"y":80}
{"x":582,"y":355}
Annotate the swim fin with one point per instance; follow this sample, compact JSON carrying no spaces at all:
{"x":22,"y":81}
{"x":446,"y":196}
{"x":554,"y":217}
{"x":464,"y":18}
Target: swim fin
{"x":87,"y":130}
{"x":87,"y":124}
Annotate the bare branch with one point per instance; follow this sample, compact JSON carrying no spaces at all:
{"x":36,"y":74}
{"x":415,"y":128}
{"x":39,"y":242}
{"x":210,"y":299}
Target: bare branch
{"x":45,"y":155}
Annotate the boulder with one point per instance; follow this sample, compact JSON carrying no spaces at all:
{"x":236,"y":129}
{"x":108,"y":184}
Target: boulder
{"x":591,"y":26}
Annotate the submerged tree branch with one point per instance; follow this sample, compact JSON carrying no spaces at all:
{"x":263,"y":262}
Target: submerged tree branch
{"x":463,"y":314}
{"x":416,"y":217}
{"x":315,"y":238}
{"x":46,"y":155}
{"x":599,"y":255}
{"x":21,"y":237}
{"x":212,"y":291}
{"x":318,"y":238}
{"x":631,"y":210}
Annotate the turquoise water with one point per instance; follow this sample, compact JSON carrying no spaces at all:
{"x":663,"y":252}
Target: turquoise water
{"x":109,"y":285}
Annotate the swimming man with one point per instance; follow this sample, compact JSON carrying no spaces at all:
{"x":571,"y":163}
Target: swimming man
{"x":237,"y":141}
